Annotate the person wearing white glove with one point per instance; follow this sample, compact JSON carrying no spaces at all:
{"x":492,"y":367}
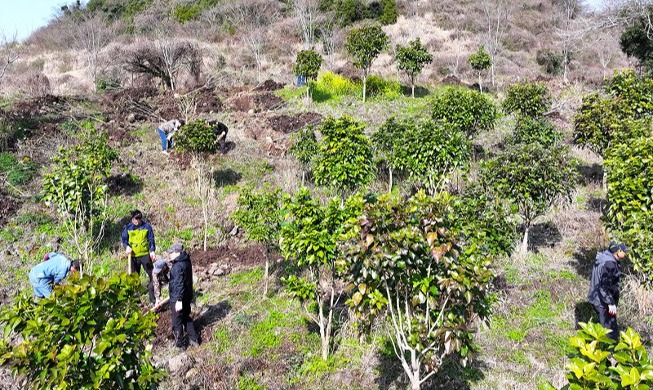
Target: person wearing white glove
{"x":181,"y":296}
{"x":604,"y":286}
{"x":138,"y":241}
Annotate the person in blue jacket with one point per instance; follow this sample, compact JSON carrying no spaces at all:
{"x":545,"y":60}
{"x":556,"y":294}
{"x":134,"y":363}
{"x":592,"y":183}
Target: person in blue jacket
{"x":52,"y":271}
{"x":138,"y":241}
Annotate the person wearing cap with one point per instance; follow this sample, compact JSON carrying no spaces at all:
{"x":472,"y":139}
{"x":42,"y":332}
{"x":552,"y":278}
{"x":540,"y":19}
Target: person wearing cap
{"x":159,"y":276}
{"x":181,"y":295}
{"x":604,"y":286}
{"x":45,"y":275}
{"x":138,"y":241}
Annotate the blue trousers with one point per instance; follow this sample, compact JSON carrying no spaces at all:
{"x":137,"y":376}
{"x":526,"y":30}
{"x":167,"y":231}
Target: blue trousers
{"x":165,"y":144}
{"x":42,"y":287}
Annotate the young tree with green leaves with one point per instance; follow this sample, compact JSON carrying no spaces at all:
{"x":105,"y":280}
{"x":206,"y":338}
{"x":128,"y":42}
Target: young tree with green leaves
{"x":387,"y":141}
{"x":304,"y":148}
{"x":260,"y":214}
{"x":365,"y":44}
{"x":77,"y":187}
{"x":540,"y":130}
{"x":404,"y":261}
{"x":635,"y":40}
{"x":199,"y":140}
{"x":309,"y":240}
{"x":90,"y":334}
{"x":389,"y":14}
{"x":480,"y":61}
{"x":533,"y":177}
{"x":344,"y":160}
{"x":527,"y":100}
{"x":411,"y":59}
{"x":629,"y":214}
{"x":468,"y":110}
{"x":307,"y":64}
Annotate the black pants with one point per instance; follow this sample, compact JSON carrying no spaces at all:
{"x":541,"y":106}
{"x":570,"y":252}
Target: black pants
{"x":180,"y":320}
{"x":146,"y":262}
{"x":608,"y":321}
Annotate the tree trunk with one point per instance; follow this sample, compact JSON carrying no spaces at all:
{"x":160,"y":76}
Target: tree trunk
{"x":604,"y":180}
{"x":524,"y":244}
{"x":267,"y":269}
{"x":364,"y":85}
{"x":303,"y":177}
{"x":412,"y":89}
{"x":480,"y":85}
{"x":415,"y":377}
{"x":390,"y":184}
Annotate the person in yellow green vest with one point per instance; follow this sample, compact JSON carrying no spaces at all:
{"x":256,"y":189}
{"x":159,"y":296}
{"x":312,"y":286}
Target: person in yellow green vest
{"x":138,"y":241}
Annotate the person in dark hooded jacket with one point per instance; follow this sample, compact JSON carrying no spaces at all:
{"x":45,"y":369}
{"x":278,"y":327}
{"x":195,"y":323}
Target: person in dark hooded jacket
{"x":181,"y":296}
{"x":604,"y":287}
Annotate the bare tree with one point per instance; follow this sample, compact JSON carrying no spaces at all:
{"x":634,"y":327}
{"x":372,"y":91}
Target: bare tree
{"x":496,"y":14}
{"x":91,"y":32}
{"x":306,"y":12}
{"x":165,"y":59}
{"x":10,"y":52}
{"x":329,"y":35}
{"x":567,"y":31}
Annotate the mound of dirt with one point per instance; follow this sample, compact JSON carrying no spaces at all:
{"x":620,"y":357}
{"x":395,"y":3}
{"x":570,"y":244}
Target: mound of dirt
{"x":208,"y":102}
{"x":163,"y":330}
{"x":269,"y":85}
{"x":38,"y":106}
{"x":8,"y":207}
{"x":291,"y":124}
{"x":245,"y":256}
{"x":263,"y":101}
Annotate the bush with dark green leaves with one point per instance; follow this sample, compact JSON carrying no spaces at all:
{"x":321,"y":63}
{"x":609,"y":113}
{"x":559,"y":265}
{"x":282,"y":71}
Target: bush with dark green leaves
{"x":90,"y":333}
{"x":540,"y":130}
{"x":634,"y":92}
{"x":549,"y":60}
{"x":629,"y":214}
{"x":468,"y":110}
{"x":304,"y":148}
{"x":307,"y":64}
{"x":527,"y":99}
{"x":344,"y":160}
{"x":532,"y":177}
{"x":635,"y":40}
{"x":389,"y":14}
{"x":404,"y":261}
{"x":590,"y":366}
{"x":196,"y":137}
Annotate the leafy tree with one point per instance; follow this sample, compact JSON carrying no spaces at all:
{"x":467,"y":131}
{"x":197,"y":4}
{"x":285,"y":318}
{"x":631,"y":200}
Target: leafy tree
{"x":387,"y":141}
{"x":309,"y":240}
{"x":550,"y":60}
{"x":199,"y":139}
{"x":260,"y":214}
{"x":404,"y":261}
{"x":527,"y":99}
{"x":76,"y":185}
{"x":635,"y":40}
{"x":91,"y":333}
{"x":344,"y":159}
{"x":308,"y":64}
{"x":629,"y":214}
{"x":304,"y":148}
{"x":468,"y":110}
{"x":480,"y":61}
{"x":389,"y":15}
{"x":538,"y":130}
{"x":411,"y":59}
{"x":634,"y":92}
{"x":590,"y":366}
{"x":365,"y":44}
{"x":532,"y":184}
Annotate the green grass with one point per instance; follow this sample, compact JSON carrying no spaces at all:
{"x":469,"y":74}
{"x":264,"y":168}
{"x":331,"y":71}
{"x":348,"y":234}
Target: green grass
{"x":248,"y":278}
{"x":249,"y":383}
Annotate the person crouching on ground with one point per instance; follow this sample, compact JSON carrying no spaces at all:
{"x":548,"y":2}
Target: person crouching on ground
{"x":160,"y":275}
{"x":50,"y":272}
{"x":181,"y":296}
{"x":220,"y":130}
{"x":604,"y":287}
{"x":166,"y":131}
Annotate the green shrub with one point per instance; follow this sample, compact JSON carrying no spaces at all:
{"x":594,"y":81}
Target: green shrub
{"x":538,"y":130}
{"x":106,"y":83}
{"x":330,"y":85}
{"x":551,"y":61}
{"x":389,"y":15}
{"x":378,"y":87}
{"x":467,"y":110}
{"x":91,"y":333}
{"x":196,"y":137}
{"x":527,"y":99}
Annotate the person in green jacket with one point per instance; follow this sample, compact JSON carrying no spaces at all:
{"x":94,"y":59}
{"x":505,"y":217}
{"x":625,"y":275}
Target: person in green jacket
{"x":138,"y":241}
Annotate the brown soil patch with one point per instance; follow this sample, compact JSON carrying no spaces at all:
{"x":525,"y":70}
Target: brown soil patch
{"x":269,"y":85}
{"x":163,"y":330}
{"x":8,"y":207}
{"x":39,"y":106}
{"x":293,"y":123}
{"x":263,"y":101}
{"x":245,"y":256}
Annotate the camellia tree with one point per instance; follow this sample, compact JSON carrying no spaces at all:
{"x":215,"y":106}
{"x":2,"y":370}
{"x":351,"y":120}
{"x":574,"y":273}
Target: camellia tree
{"x":540,"y":130}
{"x":411,"y":60}
{"x":199,"y":139}
{"x":309,"y":241}
{"x":527,"y":100}
{"x":480,"y":61}
{"x":468,"y":110}
{"x":364,"y":45}
{"x":260,"y":214}
{"x":533,"y":177}
{"x":90,"y":334}
{"x":76,"y":185}
{"x":304,"y":148}
{"x":629,"y":214}
{"x":404,"y":261}
{"x":307,"y":64}
{"x":344,"y":160}
{"x":387,"y":141}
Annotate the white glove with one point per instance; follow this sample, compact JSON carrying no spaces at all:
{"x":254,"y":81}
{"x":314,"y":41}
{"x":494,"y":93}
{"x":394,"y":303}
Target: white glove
{"x":612,"y":309}
{"x":152,"y":256}
{"x":128,"y":249}
{"x":179,"y":306}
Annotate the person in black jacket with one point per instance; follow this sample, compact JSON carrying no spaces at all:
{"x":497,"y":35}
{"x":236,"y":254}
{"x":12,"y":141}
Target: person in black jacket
{"x":220,"y":130}
{"x":181,"y":295}
{"x":604,"y":287}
